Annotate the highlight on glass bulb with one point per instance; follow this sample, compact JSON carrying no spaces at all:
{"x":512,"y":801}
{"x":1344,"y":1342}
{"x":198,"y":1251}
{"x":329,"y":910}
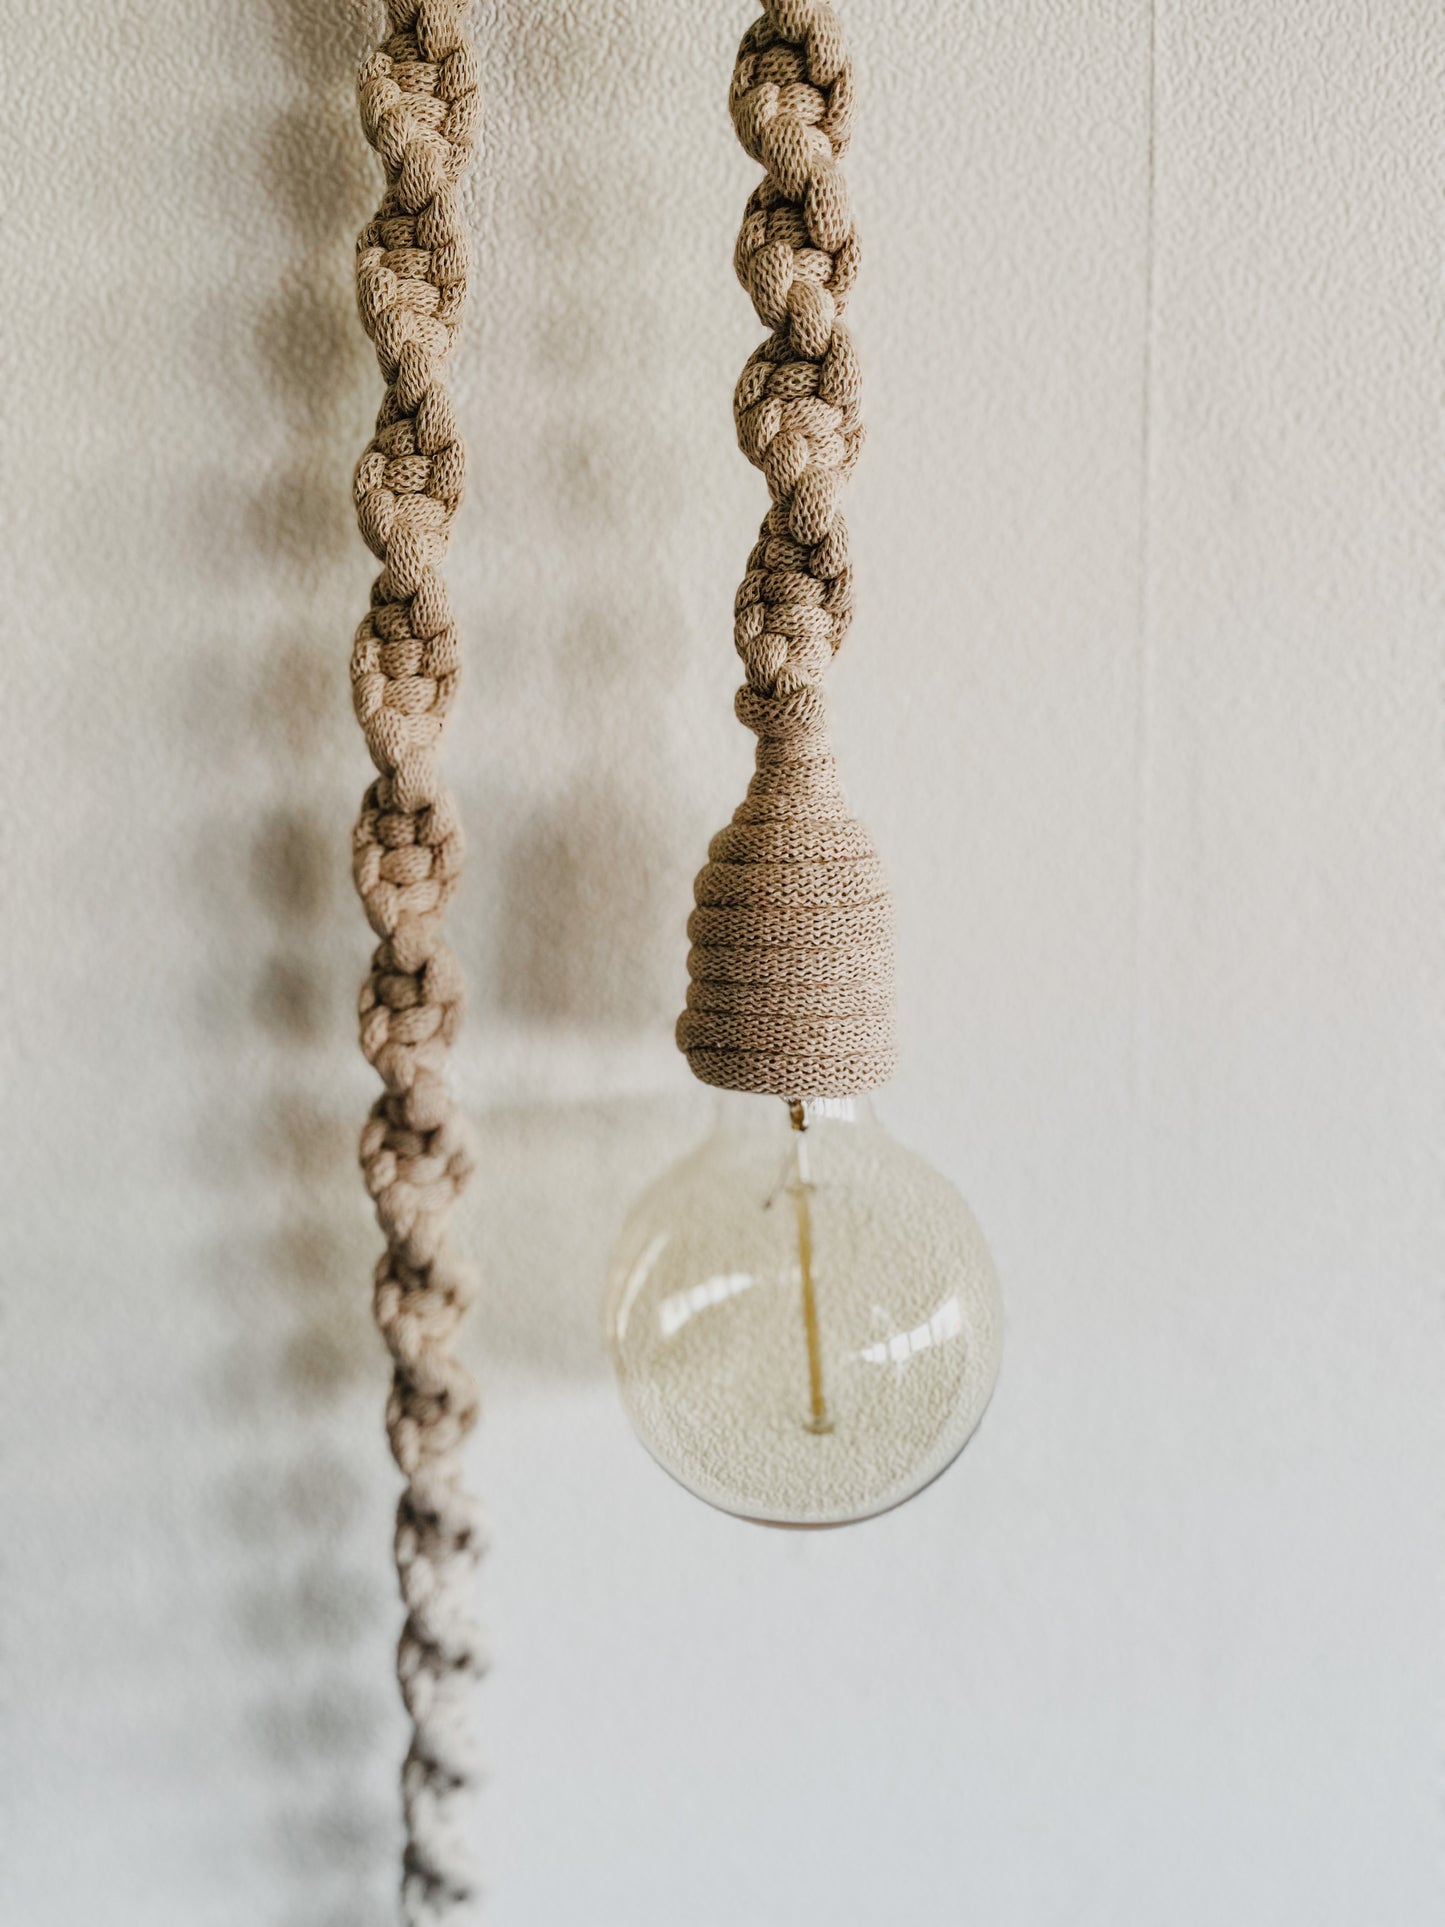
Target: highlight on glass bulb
{"x":803,"y":1316}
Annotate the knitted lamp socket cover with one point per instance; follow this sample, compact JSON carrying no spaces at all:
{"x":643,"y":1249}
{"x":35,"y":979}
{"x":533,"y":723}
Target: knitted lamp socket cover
{"x":791,"y":963}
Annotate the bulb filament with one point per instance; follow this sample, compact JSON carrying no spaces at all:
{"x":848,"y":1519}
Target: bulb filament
{"x":818,"y":1419}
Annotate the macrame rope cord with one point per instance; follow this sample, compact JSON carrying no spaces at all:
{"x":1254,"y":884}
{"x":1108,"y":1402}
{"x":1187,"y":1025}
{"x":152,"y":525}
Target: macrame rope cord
{"x":791,"y":963}
{"x":418,"y":100}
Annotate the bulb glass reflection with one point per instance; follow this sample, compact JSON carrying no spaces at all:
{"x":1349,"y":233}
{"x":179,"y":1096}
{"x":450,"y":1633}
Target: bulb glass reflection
{"x":803,"y":1316}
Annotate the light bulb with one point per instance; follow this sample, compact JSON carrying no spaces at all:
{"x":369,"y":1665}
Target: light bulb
{"x":803,"y":1316}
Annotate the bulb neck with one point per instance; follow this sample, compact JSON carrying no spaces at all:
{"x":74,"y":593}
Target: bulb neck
{"x":746,"y":1113}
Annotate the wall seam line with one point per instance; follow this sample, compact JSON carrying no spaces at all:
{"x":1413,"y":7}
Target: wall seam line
{"x":1143,"y":652}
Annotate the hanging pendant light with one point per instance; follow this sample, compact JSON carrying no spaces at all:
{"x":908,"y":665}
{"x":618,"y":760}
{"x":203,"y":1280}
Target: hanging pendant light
{"x":803,"y":1317}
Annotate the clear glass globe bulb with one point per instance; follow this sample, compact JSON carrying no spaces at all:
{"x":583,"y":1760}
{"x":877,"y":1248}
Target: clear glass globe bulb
{"x":803,"y":1316}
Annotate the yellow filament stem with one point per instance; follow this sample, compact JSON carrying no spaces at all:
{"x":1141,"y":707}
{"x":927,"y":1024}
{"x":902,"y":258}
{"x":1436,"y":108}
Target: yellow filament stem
{"x":818,"y":1420}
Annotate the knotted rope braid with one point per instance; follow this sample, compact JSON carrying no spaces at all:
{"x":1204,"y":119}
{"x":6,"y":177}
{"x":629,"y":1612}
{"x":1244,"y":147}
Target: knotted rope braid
{"x":792,"y":960}
{"x":418,"y":97}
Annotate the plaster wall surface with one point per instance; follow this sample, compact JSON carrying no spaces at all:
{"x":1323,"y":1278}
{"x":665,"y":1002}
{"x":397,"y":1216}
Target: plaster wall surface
{"x":1143,"y":706}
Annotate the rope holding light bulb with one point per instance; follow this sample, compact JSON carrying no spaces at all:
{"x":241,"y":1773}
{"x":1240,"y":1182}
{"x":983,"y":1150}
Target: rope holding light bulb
{"x":791,"y":963}
{"x":419,"y":110}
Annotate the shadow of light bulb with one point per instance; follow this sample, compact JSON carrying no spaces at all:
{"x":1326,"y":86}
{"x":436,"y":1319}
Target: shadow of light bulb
{"x":803,"y":1316}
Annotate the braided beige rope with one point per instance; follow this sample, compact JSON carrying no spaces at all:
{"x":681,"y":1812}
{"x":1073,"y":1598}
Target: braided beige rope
{"x":418,"y":98}
{"x":792,"y":957}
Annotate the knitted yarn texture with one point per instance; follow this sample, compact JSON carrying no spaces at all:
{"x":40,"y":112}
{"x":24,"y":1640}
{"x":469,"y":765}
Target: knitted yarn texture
{"x":791,"y":962}
{"x":418,"y":99}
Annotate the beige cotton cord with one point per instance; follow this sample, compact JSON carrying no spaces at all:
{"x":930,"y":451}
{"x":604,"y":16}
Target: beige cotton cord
{"x":418,"y":99}
{"x":791,"y":962}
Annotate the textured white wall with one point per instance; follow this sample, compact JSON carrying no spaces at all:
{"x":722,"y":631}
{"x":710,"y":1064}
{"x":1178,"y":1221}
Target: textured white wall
{"x":1143,"y":706}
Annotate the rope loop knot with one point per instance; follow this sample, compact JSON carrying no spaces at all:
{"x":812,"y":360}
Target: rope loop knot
{"x":418,"y":102}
